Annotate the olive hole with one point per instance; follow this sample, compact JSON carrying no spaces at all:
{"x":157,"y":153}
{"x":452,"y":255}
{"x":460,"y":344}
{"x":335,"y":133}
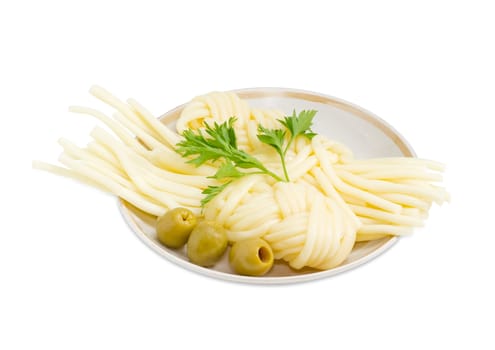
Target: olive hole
{"x":264,"y":254}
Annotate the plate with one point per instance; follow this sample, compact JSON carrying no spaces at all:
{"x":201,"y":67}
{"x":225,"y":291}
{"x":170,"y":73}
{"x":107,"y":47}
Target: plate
{"x":363,"y":132}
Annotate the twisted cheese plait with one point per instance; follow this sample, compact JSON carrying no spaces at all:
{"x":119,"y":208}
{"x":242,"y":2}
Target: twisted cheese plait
{"x":331,"y":201}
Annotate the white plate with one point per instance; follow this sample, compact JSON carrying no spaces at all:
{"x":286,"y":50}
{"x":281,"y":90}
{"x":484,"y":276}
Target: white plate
{"x":364,"y":133}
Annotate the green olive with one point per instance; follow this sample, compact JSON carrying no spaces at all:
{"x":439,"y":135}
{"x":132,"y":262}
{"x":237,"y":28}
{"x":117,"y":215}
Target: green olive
{"x":207,"y":243}
{"x":252,"y":257}
{"x":174,"y":227}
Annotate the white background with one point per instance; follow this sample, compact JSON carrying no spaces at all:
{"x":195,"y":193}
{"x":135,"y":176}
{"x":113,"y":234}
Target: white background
{"x":73,"y":275}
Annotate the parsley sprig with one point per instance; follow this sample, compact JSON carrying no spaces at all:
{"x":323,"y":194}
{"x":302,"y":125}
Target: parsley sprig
{"x":219,"y":142}
{"x":296,"y":125}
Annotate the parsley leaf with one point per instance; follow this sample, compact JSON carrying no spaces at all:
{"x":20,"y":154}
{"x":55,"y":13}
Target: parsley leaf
{"x":228,"y":169}
{"x":211,"y":192}
{"x":299,"y":124}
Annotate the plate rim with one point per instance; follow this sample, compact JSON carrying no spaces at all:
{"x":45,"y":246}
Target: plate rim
{"x":254,"y":92}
